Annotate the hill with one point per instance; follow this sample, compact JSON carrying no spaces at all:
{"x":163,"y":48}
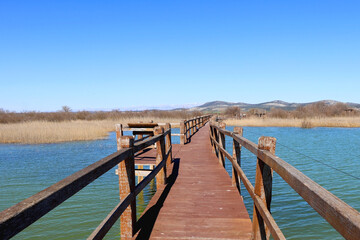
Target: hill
{"x":217,"y":106}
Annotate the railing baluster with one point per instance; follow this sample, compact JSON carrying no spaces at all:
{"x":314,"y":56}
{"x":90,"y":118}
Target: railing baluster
{"x":212,"y":134}
{"x":160,"y":148}
{"x":168,"y":146}
{"x":182,"y":133}
{"x":237,"y":156}
{"x":119,"y":134}
{"x":126,"y":186}
{"x":221,"y":141}
{"x":263,"y":188}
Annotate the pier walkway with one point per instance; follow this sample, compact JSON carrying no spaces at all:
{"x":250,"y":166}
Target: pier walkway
{"x":199,"y":202}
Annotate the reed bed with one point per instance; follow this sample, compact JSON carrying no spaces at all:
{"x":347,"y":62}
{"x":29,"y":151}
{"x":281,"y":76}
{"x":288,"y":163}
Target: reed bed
{"x":36,"y":132}
{"x":348,"y":122}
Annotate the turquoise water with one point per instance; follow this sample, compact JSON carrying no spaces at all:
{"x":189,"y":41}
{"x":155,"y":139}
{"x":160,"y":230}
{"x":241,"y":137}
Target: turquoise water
{"x":28,"y":169}
{"x":338,"y":147}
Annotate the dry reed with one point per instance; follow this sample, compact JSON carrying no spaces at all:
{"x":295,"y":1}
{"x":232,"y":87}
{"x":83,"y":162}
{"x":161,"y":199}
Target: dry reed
{"x":348,"y":122}
{"x":36,"y":132}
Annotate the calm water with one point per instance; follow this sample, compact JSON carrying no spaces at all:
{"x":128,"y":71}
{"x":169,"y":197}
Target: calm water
{"x":27,"y":169}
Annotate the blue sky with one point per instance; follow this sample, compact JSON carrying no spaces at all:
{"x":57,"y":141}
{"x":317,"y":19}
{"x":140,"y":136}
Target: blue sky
{"x":125,"y":54}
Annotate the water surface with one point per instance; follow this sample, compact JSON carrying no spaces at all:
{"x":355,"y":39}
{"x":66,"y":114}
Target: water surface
{"x":28,"y":169}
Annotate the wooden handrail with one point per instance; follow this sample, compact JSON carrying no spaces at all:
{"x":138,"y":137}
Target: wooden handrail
{"x":16,"y":218}
{"x":345,"y":219}
{"x":189,"y":127}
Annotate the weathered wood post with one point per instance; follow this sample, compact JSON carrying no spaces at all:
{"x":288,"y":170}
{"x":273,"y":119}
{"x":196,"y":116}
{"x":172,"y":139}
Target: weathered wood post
{"x":187,"y":130}
{"x":212,"y":134}
{"x":190,"y":128}
{"x":237,"y":157}
{"x":119,"y":134}
{"x":182,"y":133}
{"x":216,"y":137}
{"x":168,"y":146}
{"x":195,"y":125}
{"x":126,"y":172}
{"x":160,"y":148}
{"x":221,"y":156}
{"x":263,"y":188}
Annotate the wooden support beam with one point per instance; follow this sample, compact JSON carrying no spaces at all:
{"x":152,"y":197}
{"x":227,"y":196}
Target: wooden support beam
{"x":237,"y":155}
{"x":126,"y":187}
{"x":167,"y":148}
{"x":212,"y":135}
{"x":263,"y":188}
{"x":119,"y":134}
{"x":182,"y":133}
{"x":160,"y":148}
{"x":221,"y":136}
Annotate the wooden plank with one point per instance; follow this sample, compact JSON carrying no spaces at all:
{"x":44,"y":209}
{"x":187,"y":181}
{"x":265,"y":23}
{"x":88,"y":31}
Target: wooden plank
{"x":201,"y":202}
{"x":142,"y":172}
{"x":142,"y":125}
{"x":139,"y":129}
{"x":18,"y":217}
{"x":151,"y":133}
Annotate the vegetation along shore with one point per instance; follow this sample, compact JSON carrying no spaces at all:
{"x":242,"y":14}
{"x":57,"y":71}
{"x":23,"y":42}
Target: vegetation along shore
{"x":65,"y":125}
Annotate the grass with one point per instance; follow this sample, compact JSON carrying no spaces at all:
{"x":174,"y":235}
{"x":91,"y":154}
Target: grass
{"x":36,"y":132}
{"x":348,"y":122}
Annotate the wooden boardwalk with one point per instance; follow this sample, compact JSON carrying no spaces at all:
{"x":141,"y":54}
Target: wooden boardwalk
{"x":199,"y":202}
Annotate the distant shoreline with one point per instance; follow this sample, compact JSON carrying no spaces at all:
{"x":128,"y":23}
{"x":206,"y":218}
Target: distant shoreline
{"x":40,"y":132}
{"x":345,"y":122}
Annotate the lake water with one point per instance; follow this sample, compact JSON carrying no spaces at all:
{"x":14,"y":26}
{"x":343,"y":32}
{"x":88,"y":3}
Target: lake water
{"x":28,"y":169}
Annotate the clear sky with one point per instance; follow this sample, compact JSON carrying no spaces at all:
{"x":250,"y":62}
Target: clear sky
{"x":123,"y":54}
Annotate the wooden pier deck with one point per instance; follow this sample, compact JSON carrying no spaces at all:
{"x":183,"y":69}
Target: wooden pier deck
{"x":199,"y":202}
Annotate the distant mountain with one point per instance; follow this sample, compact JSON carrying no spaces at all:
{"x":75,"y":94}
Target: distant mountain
{"x":216,"y":106}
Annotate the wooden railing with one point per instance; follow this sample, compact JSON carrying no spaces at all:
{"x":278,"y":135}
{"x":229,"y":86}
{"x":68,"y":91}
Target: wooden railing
{"x":189,"y":127}
{"x":341,"y":216}
{"x":16,"y":218}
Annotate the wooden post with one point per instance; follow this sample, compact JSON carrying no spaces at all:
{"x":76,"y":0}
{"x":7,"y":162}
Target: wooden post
{"x":222,"y":144}
{"x":126,"y":171}
{"x":263,"y":188}
{"x":168,"y":146}
{"x":119,"y":134}
{"x":212,"y":133}
{"x":160,"y":148}
{"x":182,"y":133}
{"x":190,"y":127}
{"x":216,"y":136}
{"x":237,"y":156}
{"x":187,"y":131}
